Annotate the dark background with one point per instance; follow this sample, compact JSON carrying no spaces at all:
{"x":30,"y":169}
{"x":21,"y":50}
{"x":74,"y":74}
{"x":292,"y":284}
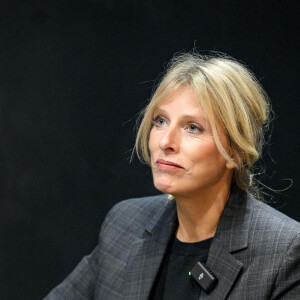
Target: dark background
{"x":74,"y":75}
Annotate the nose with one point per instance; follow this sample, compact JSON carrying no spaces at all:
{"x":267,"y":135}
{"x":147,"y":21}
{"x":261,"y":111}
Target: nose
{"x":170,"y":140}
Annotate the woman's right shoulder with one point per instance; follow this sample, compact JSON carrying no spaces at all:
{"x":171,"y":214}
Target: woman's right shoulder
{"x":133,"y":215}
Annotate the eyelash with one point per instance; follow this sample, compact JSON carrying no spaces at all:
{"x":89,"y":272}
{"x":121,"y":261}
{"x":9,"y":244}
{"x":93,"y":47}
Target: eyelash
{"x":158,"y":118}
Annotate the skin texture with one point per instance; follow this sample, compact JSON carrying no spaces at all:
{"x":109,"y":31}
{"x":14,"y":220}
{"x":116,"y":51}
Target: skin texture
{"x":186,"y":163}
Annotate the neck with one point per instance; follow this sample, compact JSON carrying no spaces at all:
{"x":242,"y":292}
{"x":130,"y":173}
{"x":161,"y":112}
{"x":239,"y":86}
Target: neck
{"x":199,"y":215}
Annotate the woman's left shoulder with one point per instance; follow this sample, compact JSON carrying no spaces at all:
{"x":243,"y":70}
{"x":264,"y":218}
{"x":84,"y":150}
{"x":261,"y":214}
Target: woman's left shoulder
{"x":274,"y":224}
{"x":276,"y":245}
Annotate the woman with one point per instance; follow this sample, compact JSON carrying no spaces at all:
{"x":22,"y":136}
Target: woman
{"x":201,"y":133}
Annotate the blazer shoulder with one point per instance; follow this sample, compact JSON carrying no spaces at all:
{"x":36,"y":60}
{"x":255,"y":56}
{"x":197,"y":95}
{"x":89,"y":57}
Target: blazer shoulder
{"x":275,"y":244}
{"x":274,"y":222}
{"x":133,"y":215}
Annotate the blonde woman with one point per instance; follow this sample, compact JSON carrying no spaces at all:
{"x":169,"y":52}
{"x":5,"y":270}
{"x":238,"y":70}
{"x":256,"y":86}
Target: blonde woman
{"x":206,"y":236}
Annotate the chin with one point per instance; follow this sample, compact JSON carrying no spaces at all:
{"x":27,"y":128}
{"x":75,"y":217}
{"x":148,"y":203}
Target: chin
{"x":164,"y":187}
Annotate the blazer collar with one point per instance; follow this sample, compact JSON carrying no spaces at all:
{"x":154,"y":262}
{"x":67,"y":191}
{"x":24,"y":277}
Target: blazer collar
{"x":234,"y":224}
{"x":233,"y":227}
{"x":165,"y":217}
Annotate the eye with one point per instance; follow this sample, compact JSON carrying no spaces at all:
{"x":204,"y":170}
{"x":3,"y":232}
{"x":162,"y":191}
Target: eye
{"x":193,"y":128}
{"x":159,"y":122}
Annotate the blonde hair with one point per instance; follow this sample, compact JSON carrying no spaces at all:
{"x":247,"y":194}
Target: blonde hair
{"x":231,"y":97}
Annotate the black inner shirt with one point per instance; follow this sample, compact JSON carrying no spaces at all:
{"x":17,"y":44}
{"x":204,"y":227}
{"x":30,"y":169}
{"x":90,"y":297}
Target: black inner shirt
{"x":173,"y":280}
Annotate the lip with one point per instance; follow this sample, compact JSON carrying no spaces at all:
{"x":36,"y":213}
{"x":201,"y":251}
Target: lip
{"x":168,"y":164}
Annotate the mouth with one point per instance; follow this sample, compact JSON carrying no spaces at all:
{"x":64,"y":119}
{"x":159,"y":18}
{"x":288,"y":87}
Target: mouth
{"x":167,"y":164}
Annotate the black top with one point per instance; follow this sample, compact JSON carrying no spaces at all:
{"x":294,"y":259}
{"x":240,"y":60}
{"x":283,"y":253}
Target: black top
{"x":173,"y":280}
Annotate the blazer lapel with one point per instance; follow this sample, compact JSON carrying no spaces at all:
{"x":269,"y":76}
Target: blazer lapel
{"x":231,"y":236}
{"x":147,"y":254}
{"x":225,"y":267}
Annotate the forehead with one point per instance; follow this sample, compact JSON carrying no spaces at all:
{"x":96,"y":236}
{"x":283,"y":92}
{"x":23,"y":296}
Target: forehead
{"x":184,"y":100}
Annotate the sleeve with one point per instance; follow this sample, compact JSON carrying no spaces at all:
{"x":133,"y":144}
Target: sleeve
{"x":287,"y":285}
{"x":80,"y":283}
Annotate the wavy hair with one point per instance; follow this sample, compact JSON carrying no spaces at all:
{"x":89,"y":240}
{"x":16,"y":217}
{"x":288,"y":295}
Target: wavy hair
{"x":231,"y":97}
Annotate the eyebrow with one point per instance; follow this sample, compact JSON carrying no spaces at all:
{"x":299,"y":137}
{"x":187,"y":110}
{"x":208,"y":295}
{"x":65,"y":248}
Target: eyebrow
{"x":203,"y":117}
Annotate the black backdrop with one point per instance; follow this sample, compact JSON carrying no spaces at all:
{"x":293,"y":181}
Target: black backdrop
{"x":74,"y":75}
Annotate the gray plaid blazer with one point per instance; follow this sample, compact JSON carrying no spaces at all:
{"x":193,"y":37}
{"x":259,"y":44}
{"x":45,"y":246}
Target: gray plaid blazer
{"x":255,"y":252}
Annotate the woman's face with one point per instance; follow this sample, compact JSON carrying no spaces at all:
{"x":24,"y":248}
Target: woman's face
{"x":185,"y":160}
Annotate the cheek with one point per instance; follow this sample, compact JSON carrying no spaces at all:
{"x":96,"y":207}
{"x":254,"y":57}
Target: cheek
{"x":206,"y":153}
{"x":199,"y":149}
{"x":152,"y":143}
